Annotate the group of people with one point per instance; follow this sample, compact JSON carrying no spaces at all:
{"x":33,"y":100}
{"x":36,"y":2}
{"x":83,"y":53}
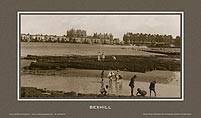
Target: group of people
{"x":101,"y":56}
{"x":141,"y":92}
{"x":118,"y":79}
{"x":112,"y":76}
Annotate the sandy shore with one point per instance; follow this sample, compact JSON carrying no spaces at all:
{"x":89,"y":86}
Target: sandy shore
{"x":168,"y":82}
{"x":85,"y":79}
{"x":88,"y":81}
{"x":164,"y":77}
{"x":35,"y":93}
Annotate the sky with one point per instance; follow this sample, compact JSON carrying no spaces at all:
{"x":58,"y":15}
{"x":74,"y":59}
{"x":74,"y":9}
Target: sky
{"x":118,"y":25}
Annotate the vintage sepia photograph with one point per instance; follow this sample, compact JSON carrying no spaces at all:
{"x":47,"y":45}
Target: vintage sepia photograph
{"x":114,"y":56}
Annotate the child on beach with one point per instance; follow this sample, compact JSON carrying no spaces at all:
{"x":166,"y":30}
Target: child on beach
{"x":131,"y":84}
{"x":152,"y":87}
{"x":141,"y":92}
{"x":104,"y":90}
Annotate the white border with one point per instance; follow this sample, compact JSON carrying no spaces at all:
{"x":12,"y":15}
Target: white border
{"x":98,"y":12}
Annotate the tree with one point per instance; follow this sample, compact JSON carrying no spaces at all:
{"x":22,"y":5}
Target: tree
{"x":126,"y":39}
{"x":178,"y":41}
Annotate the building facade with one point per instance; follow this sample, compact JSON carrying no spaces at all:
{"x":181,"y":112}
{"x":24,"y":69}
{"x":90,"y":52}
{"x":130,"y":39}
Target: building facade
{"x":72,"y":36}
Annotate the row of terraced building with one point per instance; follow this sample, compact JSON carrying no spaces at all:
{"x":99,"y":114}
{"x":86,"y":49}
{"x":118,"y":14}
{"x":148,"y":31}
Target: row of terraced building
{"x":72,"y":36}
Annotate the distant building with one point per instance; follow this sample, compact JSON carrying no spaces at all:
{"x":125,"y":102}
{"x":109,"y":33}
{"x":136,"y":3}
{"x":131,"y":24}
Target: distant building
{"x":76,"y":33}
{"x":25,"y":37}
{"x":43,"y":38}
{"x":151,"y":40}
{"x":73,"y":36}
{"x":116,"y":41}
{"x":105,"y":38}
{"x":37,"y":38}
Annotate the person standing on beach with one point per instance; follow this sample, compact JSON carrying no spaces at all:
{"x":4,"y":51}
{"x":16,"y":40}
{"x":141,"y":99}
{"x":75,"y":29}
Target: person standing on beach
{"x":120,"y":81}
{"x":102,"y":75}
{"x":99,"y":56}
{"x":103,"y":56}
{"x":102,"y":86}
{"x":106,"y":90}
{"x":152,"y":87}
{"x":117,"y":75}
{"x":114,"y":58}
{"x":132,"y":84}
{"x":110,"y":75}
{"x":114,"y":62}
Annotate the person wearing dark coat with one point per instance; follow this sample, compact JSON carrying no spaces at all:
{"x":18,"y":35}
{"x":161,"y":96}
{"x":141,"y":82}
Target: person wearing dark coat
{"x":132,"y":84}
{"x":152,"y":87}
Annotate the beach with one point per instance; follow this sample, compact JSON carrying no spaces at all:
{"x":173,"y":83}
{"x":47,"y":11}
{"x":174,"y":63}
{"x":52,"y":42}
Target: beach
{"x":91,"y":83}
{"x":54,"y":72}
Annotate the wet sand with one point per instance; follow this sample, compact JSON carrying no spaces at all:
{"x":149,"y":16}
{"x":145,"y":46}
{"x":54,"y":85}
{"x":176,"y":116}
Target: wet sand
{"x":90,"y":84}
